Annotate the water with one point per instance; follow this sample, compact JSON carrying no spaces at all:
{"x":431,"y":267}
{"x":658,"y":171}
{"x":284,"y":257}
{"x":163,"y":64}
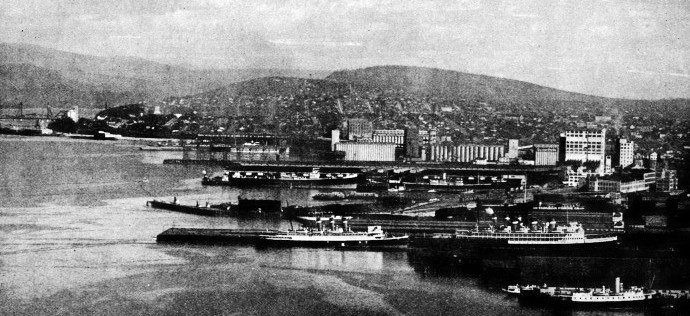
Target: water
{"x":76,"y":238}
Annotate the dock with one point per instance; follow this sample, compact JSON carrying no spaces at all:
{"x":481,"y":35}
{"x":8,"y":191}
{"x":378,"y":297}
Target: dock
{"x":212,"y":236}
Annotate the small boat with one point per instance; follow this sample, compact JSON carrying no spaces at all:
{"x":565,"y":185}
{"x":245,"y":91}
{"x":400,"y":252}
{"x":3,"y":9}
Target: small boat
{"x":517,"y":289}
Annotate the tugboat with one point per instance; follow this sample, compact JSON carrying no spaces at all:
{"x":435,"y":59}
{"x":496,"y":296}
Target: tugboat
{"x":340,"y":237}
{"x":587,"y":297}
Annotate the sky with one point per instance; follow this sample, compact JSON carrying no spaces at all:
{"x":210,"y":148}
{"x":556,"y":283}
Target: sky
{"x":615,"y":48}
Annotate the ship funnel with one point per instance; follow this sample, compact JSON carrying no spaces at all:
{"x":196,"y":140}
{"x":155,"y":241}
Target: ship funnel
{"x":535,"y":225}
{"x":515,"y":226}
{"x":319,"y":224}
{"x":552,"y":225}
{"x":345,"y":228}
{"x":618,"y":285}
{"x":332,"y":224}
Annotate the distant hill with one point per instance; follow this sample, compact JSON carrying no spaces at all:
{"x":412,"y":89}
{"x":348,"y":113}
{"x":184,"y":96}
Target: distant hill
{"x":115,"y":80}
{"x":445,"y":87}
{"x":40,"y":87}
{"x":455,"y":85}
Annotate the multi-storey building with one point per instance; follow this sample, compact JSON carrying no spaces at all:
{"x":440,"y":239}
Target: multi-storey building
{"x":626,"y":152}
{"x":666,"y":180}
{"x":584,"y":145}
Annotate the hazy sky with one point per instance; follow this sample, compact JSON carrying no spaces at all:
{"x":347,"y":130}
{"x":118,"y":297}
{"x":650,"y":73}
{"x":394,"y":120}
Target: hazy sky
{"x":633,"y":49}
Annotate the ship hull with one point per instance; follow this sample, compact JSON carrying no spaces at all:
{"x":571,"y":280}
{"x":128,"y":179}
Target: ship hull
{"x":501,"y":249}
{"x":325,"y":243}
{"x":310,"y":183}
{"x":544,"y":300}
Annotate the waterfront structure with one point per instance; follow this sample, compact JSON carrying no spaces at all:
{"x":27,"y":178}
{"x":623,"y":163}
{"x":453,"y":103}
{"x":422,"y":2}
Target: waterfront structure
{"x":359,"y":129}
{"x":73,"y":113}
{"x":335,"y":138}
{"x":367,"y":151}
{"x":220,"y":147}
{"x":465,"y":152}
{"x":625,"y":183}
{"x":513,"y":148}
{"x":396,"y":136}
{"x":227,"y":152}
{"x":412,"y":141}
{"x":545,"y":154}
{"x":428,"y":137}
{"x":584,"y":145}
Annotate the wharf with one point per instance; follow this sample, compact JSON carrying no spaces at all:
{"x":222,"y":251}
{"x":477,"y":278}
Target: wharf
{"x":212,"y":236}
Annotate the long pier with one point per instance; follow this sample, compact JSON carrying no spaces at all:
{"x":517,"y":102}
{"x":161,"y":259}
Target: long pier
{"x":212,"y":236}
{"x":373,"y":165}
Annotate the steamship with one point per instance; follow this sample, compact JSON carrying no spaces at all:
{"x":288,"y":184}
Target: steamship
{"x":313,"y":178}
{"x":521,"y":235}
{"x":589,"y":297}
{"x":505,"y":244}
{"x":335,"y":237}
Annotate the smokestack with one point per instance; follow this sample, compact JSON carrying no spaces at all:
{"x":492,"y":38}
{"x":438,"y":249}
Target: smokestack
{"x":535,"y":225}
{"x":345,"y":228}
{"x":515,"y":226}
{"x":618,"y":285}
{"x":319,"y":224}
{"x":332,"y":224}
{"x":552,"y":225}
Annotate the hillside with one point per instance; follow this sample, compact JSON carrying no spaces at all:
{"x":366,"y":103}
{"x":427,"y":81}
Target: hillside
{"x":41,"y":87}
{"x":454,"y":84}
{"x":115,"y":76}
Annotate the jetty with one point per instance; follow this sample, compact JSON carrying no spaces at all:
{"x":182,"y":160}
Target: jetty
{"x":212,"y":236}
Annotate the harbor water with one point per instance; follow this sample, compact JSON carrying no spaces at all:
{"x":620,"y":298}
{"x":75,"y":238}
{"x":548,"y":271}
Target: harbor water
{"x":76,"y":238}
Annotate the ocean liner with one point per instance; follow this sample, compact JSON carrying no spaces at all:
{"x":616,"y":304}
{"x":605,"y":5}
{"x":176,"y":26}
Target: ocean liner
{"x":373,"y":237}
{"x":314,"y":178}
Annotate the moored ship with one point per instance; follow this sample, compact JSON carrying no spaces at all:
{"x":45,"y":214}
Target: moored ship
{"x":618,"y":296}
{"x":373,"y":237}
{"x":313,"y":178}
{"x":505,"y":245}
{"x":549,"y":234}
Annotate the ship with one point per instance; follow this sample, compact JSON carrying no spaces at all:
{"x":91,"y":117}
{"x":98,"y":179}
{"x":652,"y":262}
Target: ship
{"x":283,"y":178}
{"x":618,"y":296}
{"x":546,"y":235}
{"x":504,"y":245}
{"x":374,"y":237}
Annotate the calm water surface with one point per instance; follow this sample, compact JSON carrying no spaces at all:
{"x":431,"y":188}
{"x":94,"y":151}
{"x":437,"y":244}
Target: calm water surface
{"x":77,"y":239}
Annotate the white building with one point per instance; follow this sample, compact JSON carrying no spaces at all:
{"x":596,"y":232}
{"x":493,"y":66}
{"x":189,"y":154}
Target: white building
{"x":626,"y":152}
{"x":367,"y":151}
{"x":585,"y":145}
